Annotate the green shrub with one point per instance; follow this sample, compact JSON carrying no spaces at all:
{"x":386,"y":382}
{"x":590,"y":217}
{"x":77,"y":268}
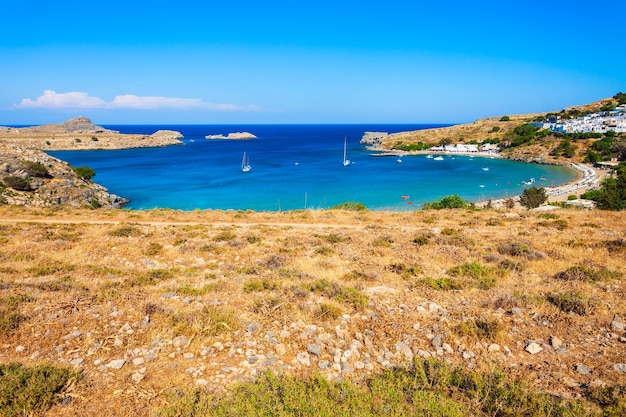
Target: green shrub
{"x":224,"y":236}
{"x":481,"y":328}
{"x":328,"y":311}
{"x":85,"y":173}
{"x":483,"y":277}
{"x":186,"y":290}
{"x":253,"y":239}
{"x":153,"y":249}
{"x":10,"y":320}
{"x":350,"y":205}
{"x":17,"y":183}
{"x":571,"y":302}
{"x":447,"y":202}
{"x":505,"y":118}
{"x":151,"y":277}
{"x":426,"y":388}
{"x":50,"y":268}
{"x":421,"y":240}
{"x":125,"y":231}
{"x":407,"y":271}
{"x":444,"y":283}
{"x":332,"y":290}
{"x":257,"y":285}
{"x":36,"y":169}
{"x":587,"y":274}
{"x":29,"y":391}
{"x":533,"y":197}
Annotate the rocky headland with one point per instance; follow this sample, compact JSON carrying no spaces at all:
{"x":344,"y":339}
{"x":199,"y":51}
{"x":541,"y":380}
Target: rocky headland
{"x":81,"y":134}
{"x":30,"y":177}
{"x":47,"y":181}
{"x":500,"y":128}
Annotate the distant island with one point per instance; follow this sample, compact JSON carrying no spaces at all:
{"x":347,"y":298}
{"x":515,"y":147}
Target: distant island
{"x":232,"y":136}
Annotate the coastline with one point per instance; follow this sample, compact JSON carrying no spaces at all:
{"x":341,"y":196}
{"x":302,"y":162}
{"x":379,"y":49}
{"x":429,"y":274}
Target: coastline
{"x":587,"y":177}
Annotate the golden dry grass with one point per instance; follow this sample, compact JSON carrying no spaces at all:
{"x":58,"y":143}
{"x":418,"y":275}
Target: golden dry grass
{"x":98,"y":285}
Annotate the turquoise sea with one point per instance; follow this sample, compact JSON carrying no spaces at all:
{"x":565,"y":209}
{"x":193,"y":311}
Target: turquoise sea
{"x":296,"y":167}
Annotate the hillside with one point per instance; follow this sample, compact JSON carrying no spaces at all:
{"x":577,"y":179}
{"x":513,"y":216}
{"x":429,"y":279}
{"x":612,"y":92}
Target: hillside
{"x":145,"y":304}
{"x":501,"y":129}
{"x":79,"y":134}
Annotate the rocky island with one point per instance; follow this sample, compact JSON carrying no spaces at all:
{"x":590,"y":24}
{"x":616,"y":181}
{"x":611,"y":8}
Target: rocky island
{"x":232,"y":136}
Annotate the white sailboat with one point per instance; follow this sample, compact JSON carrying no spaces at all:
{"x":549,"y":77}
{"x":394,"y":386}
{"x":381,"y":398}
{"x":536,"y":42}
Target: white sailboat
{"x":245,"y":163}
{"x":346,"y":162}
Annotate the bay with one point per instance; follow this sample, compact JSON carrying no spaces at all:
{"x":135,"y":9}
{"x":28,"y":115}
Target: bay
{"x":296,"y":167}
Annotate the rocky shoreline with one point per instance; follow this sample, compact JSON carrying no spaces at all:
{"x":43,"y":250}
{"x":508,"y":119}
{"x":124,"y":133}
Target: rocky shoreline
{"x":55,"y":183}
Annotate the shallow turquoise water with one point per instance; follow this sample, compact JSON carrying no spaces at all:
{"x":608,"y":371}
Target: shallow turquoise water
{"x":297,"y":166}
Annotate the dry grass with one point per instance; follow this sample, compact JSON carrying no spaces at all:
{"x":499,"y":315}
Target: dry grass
{"x":102,"y":285}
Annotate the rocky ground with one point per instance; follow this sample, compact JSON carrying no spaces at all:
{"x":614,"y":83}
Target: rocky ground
{"x":146,"y":302}
{"x":56,"y":185}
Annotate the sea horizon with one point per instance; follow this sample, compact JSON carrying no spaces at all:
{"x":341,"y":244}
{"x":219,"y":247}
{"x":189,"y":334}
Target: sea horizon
{"x":297,"y":166}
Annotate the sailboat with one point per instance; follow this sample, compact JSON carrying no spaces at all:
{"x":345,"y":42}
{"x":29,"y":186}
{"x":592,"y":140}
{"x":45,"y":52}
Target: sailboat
{"x":346,"y":162}
{"x":245,"y":163}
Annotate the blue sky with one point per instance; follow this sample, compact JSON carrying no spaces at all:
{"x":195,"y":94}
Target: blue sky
{"x":304,"y":62}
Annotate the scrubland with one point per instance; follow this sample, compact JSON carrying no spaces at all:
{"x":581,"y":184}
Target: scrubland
{"x":463,"y":312}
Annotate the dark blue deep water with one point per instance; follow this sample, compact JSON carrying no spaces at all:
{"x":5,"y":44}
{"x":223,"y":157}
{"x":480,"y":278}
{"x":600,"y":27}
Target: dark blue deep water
{"x":293,"y":167}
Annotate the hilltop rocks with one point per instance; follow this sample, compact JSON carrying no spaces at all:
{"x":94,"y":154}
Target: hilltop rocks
{"x":76,"y":125}
{"x":232,"y":136}
{"x":374,"y":139}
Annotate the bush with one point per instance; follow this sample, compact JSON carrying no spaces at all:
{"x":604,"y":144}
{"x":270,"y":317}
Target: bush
{"x":27,"y":391}
{"x":350,"y":205}
{"x":85,"y":173}
{"x":17,"y":183}
{"x":36,"y":169}
{"x":448,"y":202}
{"x":571,"y":302}
{"x":533,"y":197}
{"x":505,"y":118}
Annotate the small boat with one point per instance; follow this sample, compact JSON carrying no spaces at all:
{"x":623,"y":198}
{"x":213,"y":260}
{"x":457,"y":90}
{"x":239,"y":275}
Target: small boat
{"x":399,"y":160}
{"x":485,"y":169}
{"x":429,"y":156}
{"x":438,"y":158}
{"x":404,"y":197}
{"x":481,"y":186}
{"x":346,"y":162}
{"x":245,"y":163}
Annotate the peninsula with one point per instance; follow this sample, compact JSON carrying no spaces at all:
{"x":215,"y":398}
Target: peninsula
{"x":81,"y":134}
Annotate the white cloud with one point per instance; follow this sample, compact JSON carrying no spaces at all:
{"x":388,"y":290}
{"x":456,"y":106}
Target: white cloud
{"x":79,"y":100}
{"x":53,"y":100}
